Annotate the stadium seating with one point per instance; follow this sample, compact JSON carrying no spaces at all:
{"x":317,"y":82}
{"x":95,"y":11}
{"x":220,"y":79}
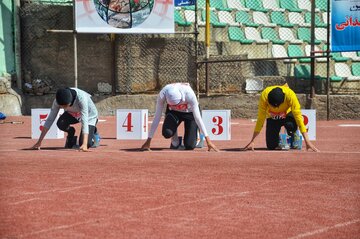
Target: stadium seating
{"x":236,"y":34}
{"x":336,"y":56}
{"x":306,"y":5}
{"x":321,"y":4}
{"x":290,"y":5}
{"x":352,"y":55}
{"x":255,"y":5}
{"x":296,"y":51}
{"x":244,"y":19}
{"x":302,"y":71}
{"x":286,"y":34}
{"x":316,"y":49}
{"x":273,"y":5}
{"x":237,"y":4}
{"x":226,"y":17}
{"x":355,"y":68}
{"x":324,"y":17}
{"x":262,"y":19}
{"x":343,"y":70}
{"x":297,"y":19}
{"x":252,"y":33}
{"x":318,"y":22}
{"x":179,"y":19}
{"x":279,"y":19}
{"x":303,"y":33}
{"x":279,"y":51}
{"x":321,"y":34}
{"x":190,"y":17}
{"x":214,"y":20}
{"x":270,"y":34}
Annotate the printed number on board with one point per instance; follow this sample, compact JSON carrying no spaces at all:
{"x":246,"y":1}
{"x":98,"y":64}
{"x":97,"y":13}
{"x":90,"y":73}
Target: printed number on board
{"x":145,"y":123}
{"x":217,"y":120}
{"x":306,"y":122}
{"x":128,"y":123}
{"x":42,"y":120}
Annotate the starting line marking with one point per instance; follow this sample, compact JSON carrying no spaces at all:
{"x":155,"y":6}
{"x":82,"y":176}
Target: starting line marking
{"x":349,"y":125}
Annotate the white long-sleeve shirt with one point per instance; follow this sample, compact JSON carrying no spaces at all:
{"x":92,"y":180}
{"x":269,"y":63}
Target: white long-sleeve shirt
{"x":82,"y":109}
{"x":189,"y":103}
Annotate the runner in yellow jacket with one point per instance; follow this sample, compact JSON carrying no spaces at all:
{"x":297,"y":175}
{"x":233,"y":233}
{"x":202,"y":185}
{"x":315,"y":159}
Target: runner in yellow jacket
{"x":280,"y":107}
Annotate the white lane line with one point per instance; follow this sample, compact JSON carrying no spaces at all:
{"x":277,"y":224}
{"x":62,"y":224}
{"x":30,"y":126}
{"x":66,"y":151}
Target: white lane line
{"x":325,"y":229}
{"x":23,"y":201}
{"x":349,"y":125}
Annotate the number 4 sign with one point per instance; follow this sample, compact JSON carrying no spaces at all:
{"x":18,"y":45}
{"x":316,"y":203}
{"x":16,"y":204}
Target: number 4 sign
{"x":309,"y":117}
{"x":132,"y":124}
{"x":217,"y":124}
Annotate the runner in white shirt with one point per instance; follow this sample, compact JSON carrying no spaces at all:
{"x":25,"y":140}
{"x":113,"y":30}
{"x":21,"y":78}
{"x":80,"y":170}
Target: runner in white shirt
{"x":181,"y":105}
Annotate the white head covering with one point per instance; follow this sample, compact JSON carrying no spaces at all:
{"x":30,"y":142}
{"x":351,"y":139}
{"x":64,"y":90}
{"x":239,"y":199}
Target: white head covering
{"x":173,"y":96}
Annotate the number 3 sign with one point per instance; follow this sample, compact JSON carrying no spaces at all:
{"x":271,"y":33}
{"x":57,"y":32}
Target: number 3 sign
{"x":309,"y":117}
{"x":217,"y":124}
{"x":131,"y":124}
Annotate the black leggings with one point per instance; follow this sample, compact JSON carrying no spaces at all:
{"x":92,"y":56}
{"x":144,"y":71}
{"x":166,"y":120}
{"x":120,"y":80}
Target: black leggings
{"x":64,"y":122}
{"x":172,"y":121}
{"x":273,"y":127}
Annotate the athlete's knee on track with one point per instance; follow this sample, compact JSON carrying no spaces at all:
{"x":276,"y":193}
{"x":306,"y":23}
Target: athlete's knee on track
{"x":168,"y":133}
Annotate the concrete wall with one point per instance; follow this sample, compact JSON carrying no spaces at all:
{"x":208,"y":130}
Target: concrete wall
{"x":241,"y":105}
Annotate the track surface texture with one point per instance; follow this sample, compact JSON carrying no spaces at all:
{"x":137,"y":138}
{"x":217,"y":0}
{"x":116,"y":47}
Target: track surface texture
{"x":115,"y":191}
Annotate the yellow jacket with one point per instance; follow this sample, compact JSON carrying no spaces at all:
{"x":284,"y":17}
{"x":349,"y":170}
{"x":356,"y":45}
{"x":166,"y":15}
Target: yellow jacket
{"x":291,"y":103}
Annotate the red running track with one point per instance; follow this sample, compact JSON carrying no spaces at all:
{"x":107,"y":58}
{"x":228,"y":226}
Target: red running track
{"x":116,"y":191}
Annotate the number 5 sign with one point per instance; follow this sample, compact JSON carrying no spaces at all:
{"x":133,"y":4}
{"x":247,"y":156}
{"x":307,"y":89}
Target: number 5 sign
{"x":309,"y":117}
{"x":131,"y":124}
{"x":217,"y":124}
{"x":38,"y":118}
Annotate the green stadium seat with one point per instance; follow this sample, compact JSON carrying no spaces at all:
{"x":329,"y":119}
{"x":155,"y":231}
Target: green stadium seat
{"x":180,"y":20}
{"x":296,"y":51}
{"x":321,"y":4}
{"x":236,"y":34}
{"x":217,"y":4}
{"x":255,"y":5}
{"x":243,"y":18}
{"x":302,"y":71}
{"x":290,"y":5}
{"x":355,"y":68}
{"x":270,"y":34}
{"x":201,"y":4}
{"x":336,"y":56}
{"x":214,"y":20}
{"x":279,"y":19}
{"x":304,"y":34}
{"x":318,"y":22}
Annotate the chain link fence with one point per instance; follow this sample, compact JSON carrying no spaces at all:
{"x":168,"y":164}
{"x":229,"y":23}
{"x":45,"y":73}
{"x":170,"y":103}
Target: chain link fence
{"x":270,"y":31}
{"x":253,"y":44}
